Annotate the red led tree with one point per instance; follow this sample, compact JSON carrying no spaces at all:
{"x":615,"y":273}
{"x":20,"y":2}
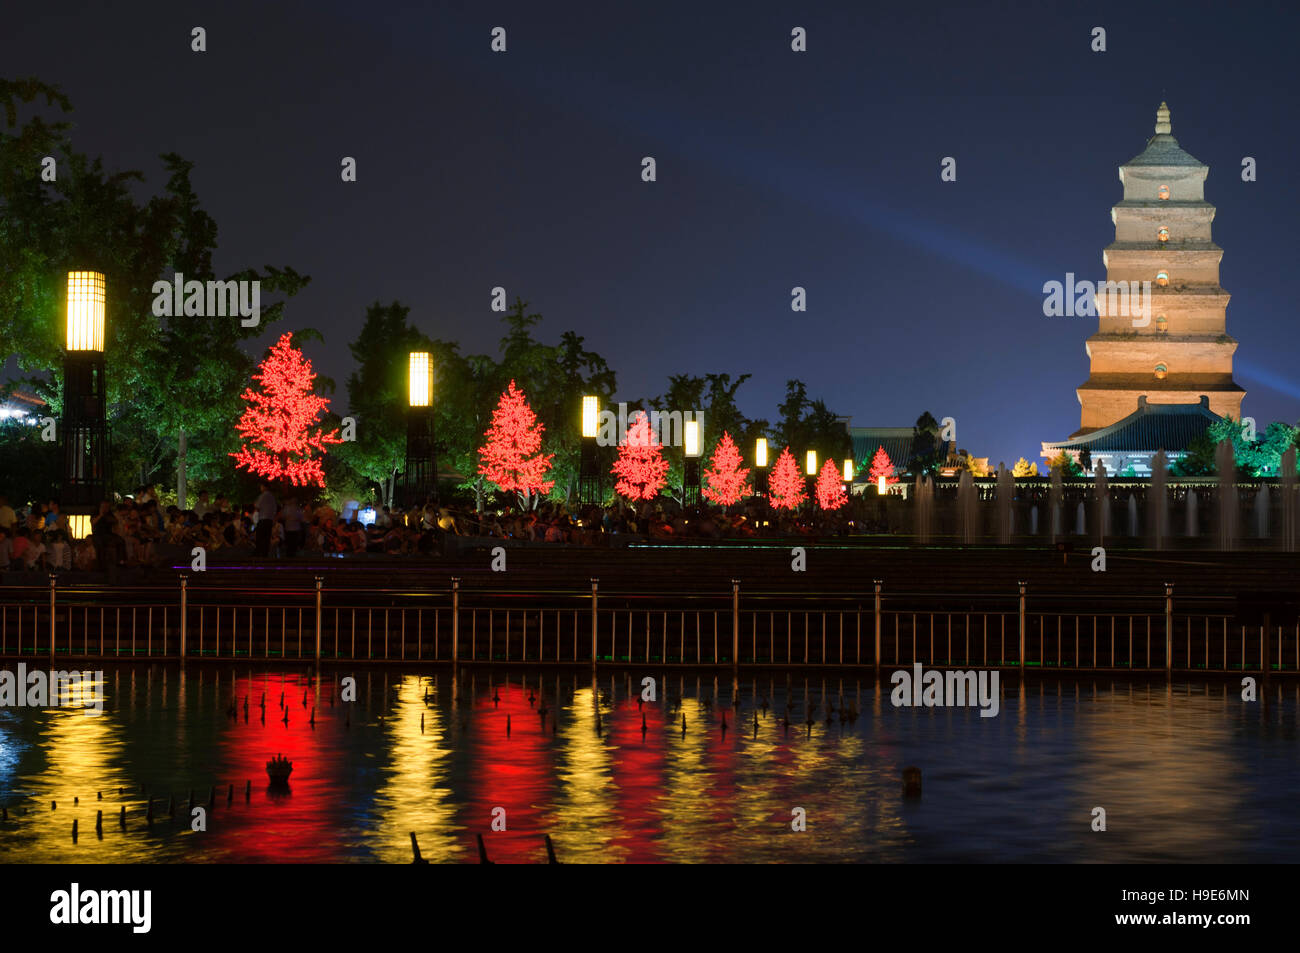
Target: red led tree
{"x":640,"y":466}
{"x":830,"y":488}
{"x":510,"y":458}
{"x":725,"y":480}
{"x":785,"y":487}
{"x":881,"y":465}
{"x":277,"y":425}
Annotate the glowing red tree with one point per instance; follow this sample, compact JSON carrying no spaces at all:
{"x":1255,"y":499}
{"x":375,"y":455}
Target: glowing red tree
{"x":881,"y":465}
{"x":277,"y":424}
{"x":510,"y":458}
{"x":785,"y":487}
{"x":640,"y":466}
{"x":830,"y":488}
{"x":725,"y":480}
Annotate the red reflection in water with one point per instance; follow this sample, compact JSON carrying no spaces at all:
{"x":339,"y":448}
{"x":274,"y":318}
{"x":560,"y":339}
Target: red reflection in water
{"x":511,"y":772}
{"x":720,"y":795}
{"x":638,"y":780}
{"x":301,"y":823}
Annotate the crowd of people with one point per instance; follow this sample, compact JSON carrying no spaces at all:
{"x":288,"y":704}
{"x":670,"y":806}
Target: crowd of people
{"x":139,"y":531}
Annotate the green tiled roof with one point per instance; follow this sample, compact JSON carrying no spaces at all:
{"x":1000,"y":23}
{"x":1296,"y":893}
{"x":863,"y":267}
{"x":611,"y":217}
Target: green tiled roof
{"x":1168,"y":427}
{"x":897,"y":442}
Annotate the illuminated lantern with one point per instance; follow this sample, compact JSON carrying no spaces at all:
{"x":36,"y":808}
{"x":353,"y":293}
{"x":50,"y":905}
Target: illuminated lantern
{"x":1163,"y":235}
{"x":1162,"y":371}
{"x":1163,"y":193}
{"x":79,"y":525}
{"x":691,"y":438}
{"x":590,"y":416}
{"x":83,"y":436}
{"x":1162,"y":323}
{"x":760,"y":452}
{"x":810,"y":461}
{"x":880,"y":485}
{"x":421,"y":379}
{"x":1162,"y":279}
{"x":85,"y":311}
{"x":848,"y":470}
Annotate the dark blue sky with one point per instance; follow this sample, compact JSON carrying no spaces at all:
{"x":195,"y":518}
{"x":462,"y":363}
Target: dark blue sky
{"x":775,"y":169}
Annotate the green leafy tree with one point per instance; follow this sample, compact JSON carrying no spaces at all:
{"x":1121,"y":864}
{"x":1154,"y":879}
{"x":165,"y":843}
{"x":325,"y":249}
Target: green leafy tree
{"x":164,"y":374}
{"x":928,"y":451}
{"x":811,"y":425}
{"x":1065,"y":464}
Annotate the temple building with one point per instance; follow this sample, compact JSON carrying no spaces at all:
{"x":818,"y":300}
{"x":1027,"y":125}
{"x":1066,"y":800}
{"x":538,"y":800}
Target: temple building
{"x":1166,"y":374}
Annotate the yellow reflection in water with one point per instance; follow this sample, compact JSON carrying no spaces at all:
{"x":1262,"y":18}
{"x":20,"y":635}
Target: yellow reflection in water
{"x":413,"y":794}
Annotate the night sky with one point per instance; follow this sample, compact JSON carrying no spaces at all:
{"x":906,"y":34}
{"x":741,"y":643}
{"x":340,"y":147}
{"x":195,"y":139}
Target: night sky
{"x":775,"y":169}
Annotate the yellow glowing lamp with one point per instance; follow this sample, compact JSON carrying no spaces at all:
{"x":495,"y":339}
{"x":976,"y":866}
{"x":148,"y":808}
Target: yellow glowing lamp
{"x":811,"y":463}
{"x":760,"y":452}
{"x":880,"y":484}
{"x":590,"y":416}
{"x":79,"y":525}
{"x":85,"y":311}
{"x":421,"y":379}
{"x":691,"y":438}
{"x":848,"y":470}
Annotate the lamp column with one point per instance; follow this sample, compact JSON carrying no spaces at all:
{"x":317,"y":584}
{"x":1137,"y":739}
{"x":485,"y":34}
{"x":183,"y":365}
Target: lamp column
{"x":692,"y":446}
{"x":589,"y":475}
{"x":83,"y":438}
{"x":420,"y":478}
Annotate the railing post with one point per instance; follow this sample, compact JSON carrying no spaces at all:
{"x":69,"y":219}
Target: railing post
{"x":878,"y":583}
{"x":1169,"y":627}
{"x":1023,"y":628}
{"x":53,"y":577}
{"x":184,"y":613}
{"x":735,"y":623}
{"x":595,"y":582}
{"x":455,"y":620}
{"x":319,"y":581}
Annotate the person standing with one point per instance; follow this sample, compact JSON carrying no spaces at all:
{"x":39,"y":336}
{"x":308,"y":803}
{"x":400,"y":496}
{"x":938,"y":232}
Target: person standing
{"x":291,"y":515}
{"x":266,"y":509}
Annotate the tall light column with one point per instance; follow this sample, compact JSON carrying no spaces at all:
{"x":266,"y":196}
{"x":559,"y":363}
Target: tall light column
{"x":692,"y":447}
{"x":420,"y":479}
{"x":588,"y":465}
{"x":760,"y":466}
{"x":83,"y":438}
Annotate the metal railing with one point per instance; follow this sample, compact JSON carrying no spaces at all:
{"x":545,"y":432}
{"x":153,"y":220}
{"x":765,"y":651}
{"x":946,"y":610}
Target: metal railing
{"x":592,"y":628}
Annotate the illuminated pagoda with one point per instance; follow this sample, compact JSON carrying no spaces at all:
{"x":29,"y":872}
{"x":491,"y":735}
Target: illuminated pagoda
{"x":1176,"y":360}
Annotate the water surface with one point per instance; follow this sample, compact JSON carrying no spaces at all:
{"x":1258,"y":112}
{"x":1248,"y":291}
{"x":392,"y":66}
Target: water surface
{"x":1185,"y":772}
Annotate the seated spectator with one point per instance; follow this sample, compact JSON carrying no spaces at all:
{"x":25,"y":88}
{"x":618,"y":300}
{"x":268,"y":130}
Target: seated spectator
{"x":58,"y":549}
{"x":84,"y":560}
{"x":33,"y":553}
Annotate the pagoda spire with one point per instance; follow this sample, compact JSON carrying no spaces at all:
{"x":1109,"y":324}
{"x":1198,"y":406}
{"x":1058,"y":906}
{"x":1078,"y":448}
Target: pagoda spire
{"x":1163,"y":125}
